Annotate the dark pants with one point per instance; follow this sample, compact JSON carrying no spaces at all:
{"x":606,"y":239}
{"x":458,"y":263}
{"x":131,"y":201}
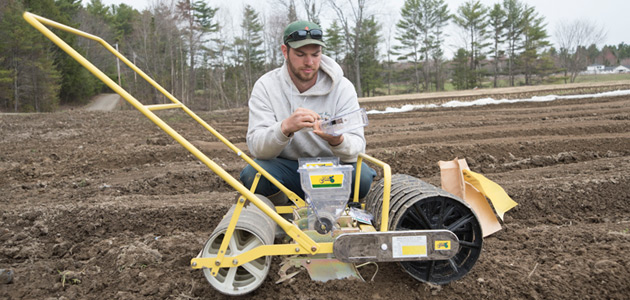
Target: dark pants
{"x":286,"y":172}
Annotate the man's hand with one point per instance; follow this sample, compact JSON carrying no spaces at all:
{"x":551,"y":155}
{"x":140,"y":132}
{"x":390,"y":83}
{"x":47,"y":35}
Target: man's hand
{"x":301,"y":118}
{"x":331,"y":139}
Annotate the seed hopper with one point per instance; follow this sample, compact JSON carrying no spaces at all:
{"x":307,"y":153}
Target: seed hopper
{"x":434,"y":235}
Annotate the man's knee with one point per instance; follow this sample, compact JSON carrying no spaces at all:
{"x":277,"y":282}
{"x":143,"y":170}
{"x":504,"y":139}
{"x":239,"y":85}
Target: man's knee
{"x":247,"y":176}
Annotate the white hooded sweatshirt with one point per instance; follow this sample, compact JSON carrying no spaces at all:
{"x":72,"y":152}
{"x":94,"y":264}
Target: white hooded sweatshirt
{"x":275,"y":97}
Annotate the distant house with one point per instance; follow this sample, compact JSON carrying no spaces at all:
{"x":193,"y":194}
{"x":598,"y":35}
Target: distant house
{"x":621,"y":69}
{"x":594,"y":69}
{"x":601,"y":69}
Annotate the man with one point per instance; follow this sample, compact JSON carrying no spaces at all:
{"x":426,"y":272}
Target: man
{"x":285,"y":107}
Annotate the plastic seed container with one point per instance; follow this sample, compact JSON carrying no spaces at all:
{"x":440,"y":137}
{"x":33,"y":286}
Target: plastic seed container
{"x":347,"y":122}
{"x":327,"y":185}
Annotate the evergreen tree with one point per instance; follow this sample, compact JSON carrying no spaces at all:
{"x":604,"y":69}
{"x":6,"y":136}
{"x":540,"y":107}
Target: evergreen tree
{"x":420,"y":33}
{"x":534,"y":42}
{"x":250,"y":47}
{"x":496,"y":23}
{"x":370,"y":66}
{"x":335,"y":45}
{"x":442,"y":18}
{"x":27,"y":71}
{"x":409,"y":35}
{"x":461,"y":70}
{"x":513,"y":30}
{"x":472,"y":17}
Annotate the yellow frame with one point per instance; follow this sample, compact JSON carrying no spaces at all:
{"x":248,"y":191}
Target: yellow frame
{"x":305,"y":245}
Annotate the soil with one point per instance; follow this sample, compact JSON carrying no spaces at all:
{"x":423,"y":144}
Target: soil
{"x":105,"y":205}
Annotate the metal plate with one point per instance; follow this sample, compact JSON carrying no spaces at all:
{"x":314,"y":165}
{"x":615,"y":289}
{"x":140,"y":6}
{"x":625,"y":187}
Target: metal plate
{"x":410,"y":245}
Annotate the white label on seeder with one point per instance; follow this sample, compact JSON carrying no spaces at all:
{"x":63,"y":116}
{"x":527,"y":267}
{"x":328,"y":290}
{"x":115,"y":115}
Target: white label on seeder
{"x":409,"y":246}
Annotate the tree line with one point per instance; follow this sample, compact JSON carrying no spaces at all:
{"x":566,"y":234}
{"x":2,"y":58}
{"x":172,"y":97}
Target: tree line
{"x":190,"y":49}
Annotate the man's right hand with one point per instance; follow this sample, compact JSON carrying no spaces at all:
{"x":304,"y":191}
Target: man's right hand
{"x":301,"y":118}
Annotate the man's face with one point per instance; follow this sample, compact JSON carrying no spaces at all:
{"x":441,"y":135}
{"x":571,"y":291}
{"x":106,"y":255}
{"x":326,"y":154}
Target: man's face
{"x":303,"y":62}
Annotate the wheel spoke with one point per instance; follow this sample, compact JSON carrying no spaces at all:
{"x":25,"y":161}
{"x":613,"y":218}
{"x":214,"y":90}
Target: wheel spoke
{"x":254,"y":271}
{"x":463,"y":220}
{"x":424,"y":217}
{"x":416,"y":220}
{"x":233,"y":245}
{"x":469,"y":244}
{"x":449,"y":212}
{"x":229,"y":278}
{"x":430,"y":269}
{"x":441,"y":216}
{"x":250,"y":244}
{"x":453,"y":265}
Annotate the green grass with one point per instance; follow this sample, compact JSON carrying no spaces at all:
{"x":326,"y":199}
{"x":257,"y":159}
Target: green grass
{"x":602,"y":77}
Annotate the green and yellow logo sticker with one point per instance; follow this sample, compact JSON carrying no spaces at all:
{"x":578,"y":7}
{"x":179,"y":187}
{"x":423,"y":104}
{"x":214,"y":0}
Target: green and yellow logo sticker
{"x":442,"y":245}
{"x":326,"y":181}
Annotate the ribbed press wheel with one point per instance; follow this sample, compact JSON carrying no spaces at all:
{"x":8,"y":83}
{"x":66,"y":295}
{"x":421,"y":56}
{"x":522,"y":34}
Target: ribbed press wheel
{"x":242,"y":279}
{"x":417,"y":205}
{"x":253,"y":229}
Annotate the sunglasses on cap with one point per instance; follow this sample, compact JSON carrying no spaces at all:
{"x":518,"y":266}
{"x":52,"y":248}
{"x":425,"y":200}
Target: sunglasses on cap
{"x":299,"y":35}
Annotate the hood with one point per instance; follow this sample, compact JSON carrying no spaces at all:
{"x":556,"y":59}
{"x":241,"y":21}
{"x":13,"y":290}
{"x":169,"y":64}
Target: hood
{"x":330,"y":74}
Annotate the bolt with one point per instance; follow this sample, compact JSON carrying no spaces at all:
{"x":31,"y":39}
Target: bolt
{"x":241,"y":200}
{"x":194,"y":264}
{"x":313,"y":248}
{"x":235,"y":262}
{"x":383,"y":246}
{"x":217,"y":263}
{"x":308,"y":261}
{"x":297,"y":249}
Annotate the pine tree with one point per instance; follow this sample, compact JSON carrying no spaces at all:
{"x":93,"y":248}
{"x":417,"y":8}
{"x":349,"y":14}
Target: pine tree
{"x":461,"y":70}
{"x":409,"y":30}
{"x":369,"y":55}
{"x":27,"y":69}
{"x":496,"y":23}
{"x":442,"y":18}
{"x":513,"y":31}
{"x":335,"y":45}
{"x":534,"y":40}
{"x":472,"y":17}
{"x":250,"y":47}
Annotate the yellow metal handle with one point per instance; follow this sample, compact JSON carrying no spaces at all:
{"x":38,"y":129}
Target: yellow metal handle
{"x":387,"y":182}
{"x":292,"y":230}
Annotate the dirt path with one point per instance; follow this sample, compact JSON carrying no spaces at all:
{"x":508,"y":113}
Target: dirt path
{"x":104,"y":102}
{"x":104,"y":205}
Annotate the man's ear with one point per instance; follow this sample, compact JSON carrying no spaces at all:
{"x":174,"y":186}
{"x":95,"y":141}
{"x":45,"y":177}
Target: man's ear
{"x":285,"y":51}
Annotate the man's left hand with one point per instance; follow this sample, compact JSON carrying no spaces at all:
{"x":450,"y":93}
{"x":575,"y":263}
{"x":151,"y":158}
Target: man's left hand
{"x":331,"y":139}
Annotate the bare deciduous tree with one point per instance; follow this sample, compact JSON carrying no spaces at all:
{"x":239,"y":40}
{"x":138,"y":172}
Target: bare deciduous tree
{"x":352,"y":26}
{"x":573,"y":38}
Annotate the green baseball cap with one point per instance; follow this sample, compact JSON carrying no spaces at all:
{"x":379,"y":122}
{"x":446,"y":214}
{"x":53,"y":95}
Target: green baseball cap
{"x":302,"y":33}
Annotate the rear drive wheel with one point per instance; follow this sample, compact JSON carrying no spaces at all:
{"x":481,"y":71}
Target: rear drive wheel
{"x":417,"y":205}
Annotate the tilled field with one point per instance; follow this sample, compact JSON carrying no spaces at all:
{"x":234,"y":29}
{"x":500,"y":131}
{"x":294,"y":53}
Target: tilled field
{"x":104,"y":205}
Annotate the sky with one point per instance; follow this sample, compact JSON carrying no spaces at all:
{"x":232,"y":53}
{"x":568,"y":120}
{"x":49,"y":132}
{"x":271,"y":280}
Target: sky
{"x":612,"y":15}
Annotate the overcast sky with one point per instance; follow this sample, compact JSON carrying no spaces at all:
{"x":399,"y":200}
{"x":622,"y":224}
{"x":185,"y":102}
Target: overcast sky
{"x":613,"y":15}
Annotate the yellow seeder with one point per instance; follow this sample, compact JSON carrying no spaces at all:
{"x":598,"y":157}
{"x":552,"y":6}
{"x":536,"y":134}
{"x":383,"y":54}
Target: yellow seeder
{"x":434,"y":235}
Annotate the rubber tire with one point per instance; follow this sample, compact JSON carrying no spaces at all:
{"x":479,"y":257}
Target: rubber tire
{"x":417,"y":205}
